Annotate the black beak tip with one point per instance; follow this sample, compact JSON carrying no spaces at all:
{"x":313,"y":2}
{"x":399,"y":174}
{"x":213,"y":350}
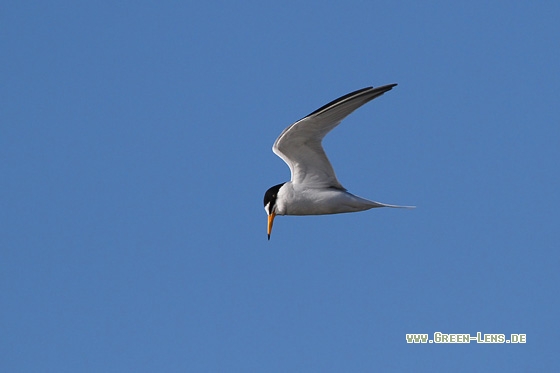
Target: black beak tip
{"x":269,"y":237}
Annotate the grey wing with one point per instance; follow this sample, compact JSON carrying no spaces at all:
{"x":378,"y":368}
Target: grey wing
{"x":300,"y":146}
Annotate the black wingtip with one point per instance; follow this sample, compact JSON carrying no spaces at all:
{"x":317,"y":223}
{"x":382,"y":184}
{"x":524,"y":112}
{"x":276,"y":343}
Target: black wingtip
{"x":386,"y":87}
{"x":378,"y":90}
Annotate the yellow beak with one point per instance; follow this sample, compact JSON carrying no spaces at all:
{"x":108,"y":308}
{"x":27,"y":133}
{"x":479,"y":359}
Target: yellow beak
{"x":270,"y":221}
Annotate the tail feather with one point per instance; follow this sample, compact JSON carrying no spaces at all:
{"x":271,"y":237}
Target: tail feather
{"x":379,"y":204}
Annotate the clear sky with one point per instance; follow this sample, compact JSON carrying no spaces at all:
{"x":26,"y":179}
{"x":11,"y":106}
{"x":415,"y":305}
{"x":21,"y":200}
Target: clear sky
{"x":135,"y":150}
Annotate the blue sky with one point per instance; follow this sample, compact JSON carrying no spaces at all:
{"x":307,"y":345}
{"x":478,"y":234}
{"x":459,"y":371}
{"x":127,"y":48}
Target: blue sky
{"x":135,"y":150}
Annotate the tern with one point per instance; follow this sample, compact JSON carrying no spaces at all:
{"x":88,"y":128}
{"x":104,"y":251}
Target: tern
{"x":314,"y":188}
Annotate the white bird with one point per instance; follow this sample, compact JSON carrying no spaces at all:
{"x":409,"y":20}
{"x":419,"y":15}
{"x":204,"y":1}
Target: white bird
{"x":314,"y":188}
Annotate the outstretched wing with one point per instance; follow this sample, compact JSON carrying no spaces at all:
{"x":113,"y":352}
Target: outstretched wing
{"x":300,"y":146}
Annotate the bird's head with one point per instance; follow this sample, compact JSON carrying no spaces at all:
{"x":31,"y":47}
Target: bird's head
{"x":270,"y":205}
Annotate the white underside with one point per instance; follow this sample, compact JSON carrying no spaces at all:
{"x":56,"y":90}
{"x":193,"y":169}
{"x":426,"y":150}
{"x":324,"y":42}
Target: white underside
{"x":302,"y":200}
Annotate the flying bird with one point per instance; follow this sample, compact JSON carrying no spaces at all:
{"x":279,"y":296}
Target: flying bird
{"x":314,"y":188}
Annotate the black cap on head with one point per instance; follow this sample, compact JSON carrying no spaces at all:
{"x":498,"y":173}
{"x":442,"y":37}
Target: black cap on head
{"x":270,"y":197}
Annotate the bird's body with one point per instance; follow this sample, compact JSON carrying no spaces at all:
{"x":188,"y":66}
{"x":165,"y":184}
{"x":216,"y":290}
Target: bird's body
{"x":297,"y":199}
{"x":314,"y":188}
